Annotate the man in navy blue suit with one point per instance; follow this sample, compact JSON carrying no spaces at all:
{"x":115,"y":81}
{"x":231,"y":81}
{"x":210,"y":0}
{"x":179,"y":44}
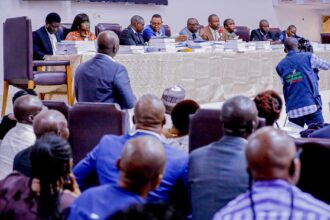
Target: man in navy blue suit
{"x":102,"y":79}
{"x":46,"y":37}
{"x":263,"y":33}
{"x":149,"y":118}
{"x":132,"y":35}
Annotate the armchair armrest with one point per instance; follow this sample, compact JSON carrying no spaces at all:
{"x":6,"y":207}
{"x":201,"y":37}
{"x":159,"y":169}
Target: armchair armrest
{"x":37,"y":63}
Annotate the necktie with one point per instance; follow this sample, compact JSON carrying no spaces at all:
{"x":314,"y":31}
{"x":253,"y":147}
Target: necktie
{"x":138,"y":38}
{"x":265,"y":37}
{"x":193,"y":36}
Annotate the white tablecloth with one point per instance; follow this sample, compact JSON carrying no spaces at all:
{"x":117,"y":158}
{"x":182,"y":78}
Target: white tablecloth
{"x":206,"y":77}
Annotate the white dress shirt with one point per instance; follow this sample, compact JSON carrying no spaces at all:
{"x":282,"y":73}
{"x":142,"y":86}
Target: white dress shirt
{"x":18,"y":138}
{"x":53,"y":40}
{"x":215,"y":34}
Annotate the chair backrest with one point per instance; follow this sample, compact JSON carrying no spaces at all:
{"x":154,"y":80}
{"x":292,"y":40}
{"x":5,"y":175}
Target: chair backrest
{"x":88,"y":122}
{"x":275,"y":31}
{"x":315,"y":163}
{"x":167,"y":30}
{"x":243,"y":32}
{"x":64,"y":30}
{"x":325,"y":38}
{"x":17,"y":50}
{"x":108,"y":27}
{"x":62,"y":107}
{"x":206,"y":127}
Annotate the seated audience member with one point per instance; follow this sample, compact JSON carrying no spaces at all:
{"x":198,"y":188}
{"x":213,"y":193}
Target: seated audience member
{"x":149,"y":211}
{"x":217,"y":172}
{"x":171,"y":96}
{"x":192,"y":30}
{"x":290,"y":32}
{"x":274,"y":166}
{"x":212,"y":31}
{"x":263,"y":33}
{"x":155,"y":29}
{"x":149,"y":119}
{"x":80,"y":29}
{"x":43,"y":196}
{"x":321,"y":133}
{"x":269,"y":105}
{"x":46,"y":37}
{"x":314,"y":127}
{"x":229,"y":26}
{"x":22,"y":135}
{"x":132,"y":35}
{"x":102,"y":79}
{"x":177,"y":135}
{"x":141,"y":167}
{"x":9,"y":121}
{"x":46,"y":122}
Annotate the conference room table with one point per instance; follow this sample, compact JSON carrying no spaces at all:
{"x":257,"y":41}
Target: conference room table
{"x":206,"y":76}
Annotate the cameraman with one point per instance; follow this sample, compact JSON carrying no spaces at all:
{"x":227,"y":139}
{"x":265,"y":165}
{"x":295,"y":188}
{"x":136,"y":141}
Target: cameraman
{"x":300,"y":84}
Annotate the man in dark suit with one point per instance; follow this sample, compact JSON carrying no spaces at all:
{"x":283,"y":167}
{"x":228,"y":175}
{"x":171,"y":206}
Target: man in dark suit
{"x":102,"y":79}
{"x":46,"y":37}
{"x":132,"y":35}
{"x":263,"y":33}
{"x":217,"y":172}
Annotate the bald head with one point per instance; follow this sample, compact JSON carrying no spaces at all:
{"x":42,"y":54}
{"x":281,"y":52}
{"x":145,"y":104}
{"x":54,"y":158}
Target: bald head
{"x":141,"y":164}
{"x":51,"y":121}
{"x":239,"y":115}
{"x":291,"y":43}
{"x":149,"y":113}
{"x":26,"y":108}
{"x":108,"y":43}
{"x":269,"y":154}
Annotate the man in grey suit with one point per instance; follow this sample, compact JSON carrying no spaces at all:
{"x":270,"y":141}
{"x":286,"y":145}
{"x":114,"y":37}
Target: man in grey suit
{"x":191,"y":31}
{"x":102,"y":79}
{"x":217,"y":172}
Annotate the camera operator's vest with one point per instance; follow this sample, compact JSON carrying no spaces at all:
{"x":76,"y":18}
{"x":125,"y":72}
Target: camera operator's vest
{"x":300,"y":82}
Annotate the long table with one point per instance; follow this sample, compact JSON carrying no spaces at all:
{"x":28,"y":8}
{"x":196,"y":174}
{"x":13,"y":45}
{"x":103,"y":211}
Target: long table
{"x":206,"y":77}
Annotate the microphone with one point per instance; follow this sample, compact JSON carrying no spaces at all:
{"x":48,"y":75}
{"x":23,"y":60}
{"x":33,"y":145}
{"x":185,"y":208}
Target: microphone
{"x":221,"y":32}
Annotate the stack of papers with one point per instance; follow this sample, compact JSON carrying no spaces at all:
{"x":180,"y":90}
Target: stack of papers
{"x":196,"y":44}
{"x":251,"y":46}
{"x":263,"y":45}
{"x":277,"y":47}
{"x":203,"y":49}
{"x":163,"y":44}
{"x":218,"y":46}
{"x":131,"y":50}
{"x":75,"y":47}
{"x":235,"y":45}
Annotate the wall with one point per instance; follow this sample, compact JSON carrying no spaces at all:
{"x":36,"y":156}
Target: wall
{"x":244,"y":12}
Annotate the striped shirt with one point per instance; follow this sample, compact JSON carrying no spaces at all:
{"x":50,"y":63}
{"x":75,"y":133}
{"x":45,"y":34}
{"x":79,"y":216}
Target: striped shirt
{"x":318,"y":63}
{"x":272,"y":200}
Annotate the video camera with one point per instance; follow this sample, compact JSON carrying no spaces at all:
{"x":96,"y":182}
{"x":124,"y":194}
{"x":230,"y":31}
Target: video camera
{"x":304,"y":45}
